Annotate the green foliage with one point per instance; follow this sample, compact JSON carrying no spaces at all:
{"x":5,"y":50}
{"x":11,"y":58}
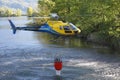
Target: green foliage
{"x":29,"y":11}
{"x":93,"y":16}
{"x":45,"y":7}
{"x":7,"y":12}
{"x":18,"y":12}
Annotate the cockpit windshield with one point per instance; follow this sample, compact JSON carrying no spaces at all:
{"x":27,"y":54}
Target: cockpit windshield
{"x":73,"y":27}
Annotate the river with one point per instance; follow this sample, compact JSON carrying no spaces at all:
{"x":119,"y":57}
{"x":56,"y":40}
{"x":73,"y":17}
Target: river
{"x":30,"y":55}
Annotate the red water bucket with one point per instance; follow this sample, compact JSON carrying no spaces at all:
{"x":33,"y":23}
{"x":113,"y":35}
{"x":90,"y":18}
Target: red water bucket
{"x":58,"y":65}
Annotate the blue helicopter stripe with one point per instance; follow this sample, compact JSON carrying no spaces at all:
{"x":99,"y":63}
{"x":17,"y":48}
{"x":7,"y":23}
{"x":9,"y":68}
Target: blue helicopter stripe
{"x":48,"y":29}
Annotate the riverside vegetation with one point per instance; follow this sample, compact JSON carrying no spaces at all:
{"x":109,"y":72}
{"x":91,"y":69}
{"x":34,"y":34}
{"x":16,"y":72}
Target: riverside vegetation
{"x":99,"y":20}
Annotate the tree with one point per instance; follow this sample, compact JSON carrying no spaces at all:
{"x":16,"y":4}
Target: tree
{"x":5,"y":11}
{"x":101,"y":17}
{"x":67,"y":9}
{"x":91,"y":15}
{"x":18,"y":12}
{"x":45,"y":7}
{"x":29,"y":11}
{"x":9,"y":11}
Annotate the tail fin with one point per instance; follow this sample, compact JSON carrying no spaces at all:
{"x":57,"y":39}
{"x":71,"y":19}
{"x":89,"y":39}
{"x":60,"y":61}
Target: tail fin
{"x":13,"y":26}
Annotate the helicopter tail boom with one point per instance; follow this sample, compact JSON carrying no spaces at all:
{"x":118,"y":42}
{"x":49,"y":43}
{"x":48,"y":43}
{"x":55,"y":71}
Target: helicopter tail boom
{"x":12,"y":26}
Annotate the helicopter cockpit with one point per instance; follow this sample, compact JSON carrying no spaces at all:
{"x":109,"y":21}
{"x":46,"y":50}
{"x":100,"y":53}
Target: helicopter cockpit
{"x":70,"y":28}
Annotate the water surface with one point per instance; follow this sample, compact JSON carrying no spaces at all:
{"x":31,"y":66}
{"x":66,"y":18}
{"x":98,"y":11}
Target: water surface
{"x":29,"y":56}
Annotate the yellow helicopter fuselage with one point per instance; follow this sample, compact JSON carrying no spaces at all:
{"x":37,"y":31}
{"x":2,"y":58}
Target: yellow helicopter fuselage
{"x":63,"y":28}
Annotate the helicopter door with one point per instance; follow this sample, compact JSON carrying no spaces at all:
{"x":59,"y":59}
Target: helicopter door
{"x":67,"y":29}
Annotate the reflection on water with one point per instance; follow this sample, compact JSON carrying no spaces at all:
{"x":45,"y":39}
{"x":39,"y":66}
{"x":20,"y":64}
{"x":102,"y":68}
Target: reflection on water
{"x":62,"y":41}
{"x":29,"y":56}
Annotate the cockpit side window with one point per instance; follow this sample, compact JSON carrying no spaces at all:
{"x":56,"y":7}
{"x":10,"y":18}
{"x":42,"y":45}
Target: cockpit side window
{"x":60,"y":27}
{"x":66,"y":28}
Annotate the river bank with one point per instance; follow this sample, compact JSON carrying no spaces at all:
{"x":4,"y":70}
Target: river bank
{"x":109,"y":41}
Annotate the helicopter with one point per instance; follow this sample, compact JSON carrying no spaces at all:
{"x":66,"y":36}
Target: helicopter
{"x":52,"y":27}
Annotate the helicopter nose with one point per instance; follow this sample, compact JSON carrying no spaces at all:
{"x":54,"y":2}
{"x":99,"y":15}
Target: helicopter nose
{"x":75,"y":32}
{"x":79,"y":31}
